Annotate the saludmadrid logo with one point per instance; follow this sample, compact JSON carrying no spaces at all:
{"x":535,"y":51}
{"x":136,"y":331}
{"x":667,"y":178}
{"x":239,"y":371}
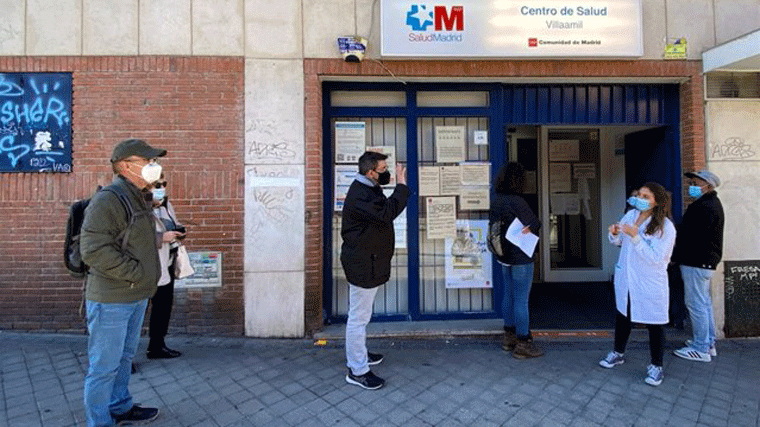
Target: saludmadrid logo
{"x":447,"y":23}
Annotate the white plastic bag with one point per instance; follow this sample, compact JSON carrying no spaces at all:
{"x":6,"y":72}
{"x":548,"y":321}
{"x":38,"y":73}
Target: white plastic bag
{"x":182,"y":268}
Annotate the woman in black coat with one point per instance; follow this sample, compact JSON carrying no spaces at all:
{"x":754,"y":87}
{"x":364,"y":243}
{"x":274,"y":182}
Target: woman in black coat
{"x":516,"y":266}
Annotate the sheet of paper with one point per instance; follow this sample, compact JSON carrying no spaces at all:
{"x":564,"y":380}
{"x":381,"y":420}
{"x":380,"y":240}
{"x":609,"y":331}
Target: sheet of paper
{"x":476,"y":173}
{"x":430,"y":180}
{"x":344,"y":176}
{"x":451,"y":180}
{"x":480,"y":137}
{"x":390,"y":151}
{"x":441,"y":217}
{"x":350,"y":140}
{"x":559,"y":177}
{"x":584,"y":170}
{"x":474,"y":198}
{"x":468,"y":262}
{"x":399,"y":224}
{"x":449,"y":144}
{"x":526,"y":242}
{"x":563,"y":150}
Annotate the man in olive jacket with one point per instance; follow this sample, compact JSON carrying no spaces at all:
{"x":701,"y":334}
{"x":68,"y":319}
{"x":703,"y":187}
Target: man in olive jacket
{"x":119,"y":282}
{"x":368,"y":242}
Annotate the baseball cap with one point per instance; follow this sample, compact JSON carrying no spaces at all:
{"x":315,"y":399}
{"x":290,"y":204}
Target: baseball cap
{"x":135,"y":147}
{"x":705,"y":175}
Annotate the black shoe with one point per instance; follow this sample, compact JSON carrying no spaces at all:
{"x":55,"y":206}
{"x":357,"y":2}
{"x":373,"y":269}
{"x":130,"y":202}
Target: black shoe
{"x":374,"y":358}
{"x":368,"y":381}
{"x":136,"y":414}
{"x":164,"y":353}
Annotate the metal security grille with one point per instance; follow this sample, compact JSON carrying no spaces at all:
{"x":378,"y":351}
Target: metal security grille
{"x":392,"y":298}
{"x":726,"y":85}
{"x":434,"y":296}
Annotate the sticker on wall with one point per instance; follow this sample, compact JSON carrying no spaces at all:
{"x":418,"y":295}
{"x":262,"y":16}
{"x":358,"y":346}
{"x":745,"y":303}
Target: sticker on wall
{"x":675,"y":50}
{"x":35,"y":122}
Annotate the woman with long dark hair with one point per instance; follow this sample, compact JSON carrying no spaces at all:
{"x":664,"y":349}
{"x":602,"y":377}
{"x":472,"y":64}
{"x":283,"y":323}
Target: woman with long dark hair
{"x":516,"y":266}
{"x":646,"y":236}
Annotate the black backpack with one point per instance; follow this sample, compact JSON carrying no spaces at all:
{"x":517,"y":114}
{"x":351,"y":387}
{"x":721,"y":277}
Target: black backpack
{"x":71,"y":256}
{"x":496,"y":232}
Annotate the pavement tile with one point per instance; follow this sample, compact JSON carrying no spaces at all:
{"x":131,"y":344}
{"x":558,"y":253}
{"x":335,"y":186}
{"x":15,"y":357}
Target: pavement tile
{"x":248,"y":382}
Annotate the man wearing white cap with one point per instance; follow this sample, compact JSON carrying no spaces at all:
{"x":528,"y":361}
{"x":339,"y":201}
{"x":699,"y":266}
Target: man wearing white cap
{"x":699,"y":248}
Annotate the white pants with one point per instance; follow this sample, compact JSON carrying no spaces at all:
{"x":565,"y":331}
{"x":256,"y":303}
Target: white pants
{"x":360,"y":302}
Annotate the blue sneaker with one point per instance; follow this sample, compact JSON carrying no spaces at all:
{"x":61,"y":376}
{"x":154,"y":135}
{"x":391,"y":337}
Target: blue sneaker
{"x":654,"y":375}
{"x":613,"y":359}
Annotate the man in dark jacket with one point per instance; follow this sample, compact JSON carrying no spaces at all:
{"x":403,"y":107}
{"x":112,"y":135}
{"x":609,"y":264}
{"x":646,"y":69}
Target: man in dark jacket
{"x":119,"y":282}
{"x":698,"y":250}
{"x":368,"y":242}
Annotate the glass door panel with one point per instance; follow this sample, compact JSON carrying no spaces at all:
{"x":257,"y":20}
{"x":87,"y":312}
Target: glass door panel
{"x":572,"y":205}
{"x":393,"y":297}
{"x":454,"y":170}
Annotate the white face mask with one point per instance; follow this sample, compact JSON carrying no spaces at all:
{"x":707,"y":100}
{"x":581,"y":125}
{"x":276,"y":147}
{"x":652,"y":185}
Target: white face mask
{"x":151,"y":172}
{"x":158,"y":194}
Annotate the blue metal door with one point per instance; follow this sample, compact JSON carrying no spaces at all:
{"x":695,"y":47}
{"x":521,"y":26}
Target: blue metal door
{"x":405,"y":117}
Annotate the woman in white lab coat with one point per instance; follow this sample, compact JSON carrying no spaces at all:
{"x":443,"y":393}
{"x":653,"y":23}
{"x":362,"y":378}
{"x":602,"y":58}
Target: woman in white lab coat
{"x":646,"y":236}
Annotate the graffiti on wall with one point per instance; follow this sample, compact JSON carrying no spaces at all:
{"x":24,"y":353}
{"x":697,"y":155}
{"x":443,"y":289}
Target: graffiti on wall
{"x":35,"y":122}
{"x":732,"y":148}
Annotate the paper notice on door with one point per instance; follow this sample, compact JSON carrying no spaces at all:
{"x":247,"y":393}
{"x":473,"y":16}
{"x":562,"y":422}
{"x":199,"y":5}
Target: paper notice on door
{"x":430,"y":180}
{"x":441,"y":217}
{"x":449,"y":144}
{"x":563,"y":150}
{"x":350,"y":140}
{"x":474,"y":198}
{"x":475,"y":173}
{"x":451,"y":180}
{"x":525,"y":241}
{"x":559,"y":177}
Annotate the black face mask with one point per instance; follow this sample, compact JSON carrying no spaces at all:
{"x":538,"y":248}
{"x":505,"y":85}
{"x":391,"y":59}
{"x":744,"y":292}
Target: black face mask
{"x":384,"y":178}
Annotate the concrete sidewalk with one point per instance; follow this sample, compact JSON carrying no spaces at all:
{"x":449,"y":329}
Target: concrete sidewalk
{"x":457,"y":381}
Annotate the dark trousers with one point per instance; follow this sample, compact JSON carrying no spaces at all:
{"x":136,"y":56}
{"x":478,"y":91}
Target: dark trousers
{"x":656,"y":337}
{"x":160,"y":313}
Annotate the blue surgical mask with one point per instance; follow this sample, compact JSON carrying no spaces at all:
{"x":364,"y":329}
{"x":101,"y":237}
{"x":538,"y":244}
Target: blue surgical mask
{"x":158,"y":194}
{"x":632,"y":201}
{"x":695,"y":191}
{"x":642,"y":204}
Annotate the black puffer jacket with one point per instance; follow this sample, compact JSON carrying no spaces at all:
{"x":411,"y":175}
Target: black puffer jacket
{"x":507,"y":207}
{"x":699,"y":241}
{"x":367,"y":232}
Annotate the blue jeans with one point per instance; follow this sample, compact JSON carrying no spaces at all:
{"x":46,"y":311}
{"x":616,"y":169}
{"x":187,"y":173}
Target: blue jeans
{"x":696,"y":291}
{"x":114,"y":335}
{"x":517,"y":282}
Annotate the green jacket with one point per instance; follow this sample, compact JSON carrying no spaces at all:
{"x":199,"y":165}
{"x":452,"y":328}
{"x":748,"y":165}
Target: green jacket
{"x":116,"y":276}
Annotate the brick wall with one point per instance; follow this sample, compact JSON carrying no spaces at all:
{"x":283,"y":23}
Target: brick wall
{"x":316,"y":70}
{"x":191,"y":106}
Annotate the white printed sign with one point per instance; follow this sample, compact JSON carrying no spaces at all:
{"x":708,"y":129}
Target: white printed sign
{"x":512,"y":28}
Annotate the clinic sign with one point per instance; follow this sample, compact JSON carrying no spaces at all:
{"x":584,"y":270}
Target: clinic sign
{"x":512,"y":28}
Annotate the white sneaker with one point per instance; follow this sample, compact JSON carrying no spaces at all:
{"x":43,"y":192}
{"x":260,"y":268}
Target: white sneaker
{"x":613,"y":359}
{"x":712,"y":351}
{"x":689,"y":353}
{"x":654,"y":375}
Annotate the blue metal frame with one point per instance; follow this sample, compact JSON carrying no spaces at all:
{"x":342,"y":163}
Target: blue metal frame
{"x":509,"y":104}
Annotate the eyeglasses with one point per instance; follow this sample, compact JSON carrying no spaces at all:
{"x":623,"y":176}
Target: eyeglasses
{"x":159,"y":184}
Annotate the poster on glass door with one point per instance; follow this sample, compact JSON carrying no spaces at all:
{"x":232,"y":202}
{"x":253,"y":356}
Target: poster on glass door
{"x":468,"y":262}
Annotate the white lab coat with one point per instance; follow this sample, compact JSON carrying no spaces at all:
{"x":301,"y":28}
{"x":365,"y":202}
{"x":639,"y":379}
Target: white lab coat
{"x":642,"y":271}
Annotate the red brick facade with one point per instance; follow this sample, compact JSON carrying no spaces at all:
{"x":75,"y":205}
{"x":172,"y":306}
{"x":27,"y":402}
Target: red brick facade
{"x":317,"y":70}
{"x":193,"y":107}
